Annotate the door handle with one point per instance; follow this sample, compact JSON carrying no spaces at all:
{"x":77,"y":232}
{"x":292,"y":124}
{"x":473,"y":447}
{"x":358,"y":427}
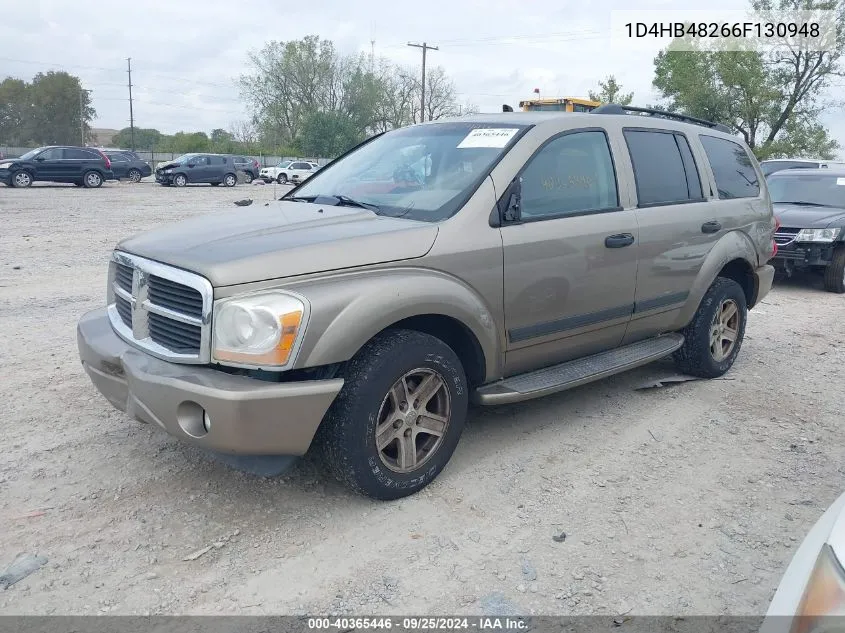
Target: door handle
{"x":618,"y":241}
{"x":711,"y":227}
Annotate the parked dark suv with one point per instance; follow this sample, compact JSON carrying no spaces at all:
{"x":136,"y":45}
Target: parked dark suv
{"x":82,"y":166}
{"x":212,"y":169}
{"x":249,"y":166}
{"x":128,"y":165}
{"x":810,"y":207}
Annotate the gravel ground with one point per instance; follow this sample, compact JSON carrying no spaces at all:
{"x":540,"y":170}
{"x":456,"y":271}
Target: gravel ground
{"x":688,"y":499}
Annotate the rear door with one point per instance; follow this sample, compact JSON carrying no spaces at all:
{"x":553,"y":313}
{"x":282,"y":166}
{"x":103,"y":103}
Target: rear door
{"x":300,"y":171}
{"x":570,"y":262}
{"x":119,"y":164}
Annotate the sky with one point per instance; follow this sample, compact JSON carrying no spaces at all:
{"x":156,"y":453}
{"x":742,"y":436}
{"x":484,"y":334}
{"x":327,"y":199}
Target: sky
{"x":186,"y":54}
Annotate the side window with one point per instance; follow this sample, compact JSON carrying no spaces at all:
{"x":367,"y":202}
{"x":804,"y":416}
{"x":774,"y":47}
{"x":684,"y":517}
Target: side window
{"x":735,"y":175}
{"x":54,"y":153}
{"x":118,"y":158}
{"x":304,"y":166}
{"x":200,"y":161}
{"x":664,"y":168}
{"x":571,"y":174}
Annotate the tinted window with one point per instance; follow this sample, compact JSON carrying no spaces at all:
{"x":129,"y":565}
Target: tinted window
{"x":80,"y":154}
{"x":810,"y":189}
{"x":54,"y":153}
{"x":117,"y":157}
{"x":664,"y":169}
{"x":218,"y":160}
{"x":300,"y":166}
{"x":732,"y":168}
{"x":570,"y":174}
{"x":199,"y":160}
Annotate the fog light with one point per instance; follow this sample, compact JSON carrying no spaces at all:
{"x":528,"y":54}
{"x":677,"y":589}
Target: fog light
{"x":206,"y":421}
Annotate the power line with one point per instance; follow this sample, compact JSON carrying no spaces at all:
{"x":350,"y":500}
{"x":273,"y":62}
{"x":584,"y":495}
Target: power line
{"x":425,"y":47}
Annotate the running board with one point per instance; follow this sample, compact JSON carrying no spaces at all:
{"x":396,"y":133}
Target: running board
{"x":542,"y":382}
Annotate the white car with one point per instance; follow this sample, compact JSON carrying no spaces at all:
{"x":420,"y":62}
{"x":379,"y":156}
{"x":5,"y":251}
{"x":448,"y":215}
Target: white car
{"x":811,"y":593}
{"x":293,"y":171}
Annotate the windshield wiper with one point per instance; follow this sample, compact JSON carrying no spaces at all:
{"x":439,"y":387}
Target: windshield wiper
{"x":803,"y":203}
{"x":346,"y":201}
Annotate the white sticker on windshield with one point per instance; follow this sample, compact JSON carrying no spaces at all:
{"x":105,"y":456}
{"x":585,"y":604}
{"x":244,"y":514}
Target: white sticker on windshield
{"x":840,"y":181}
{"x":488,"y":137}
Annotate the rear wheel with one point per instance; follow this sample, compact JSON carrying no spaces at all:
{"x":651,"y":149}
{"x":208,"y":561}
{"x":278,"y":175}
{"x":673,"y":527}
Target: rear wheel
{"x":834,"y":273}
{"x":399,"y":416}
{"x":282,"y":179}
{"x":21,"y":179}
{"x":230,"y":180}
{"x":180,"y":180}
{"x":713,"y":338}
{"x":134,"y":175}
{"x":92,"y":179}
{"x":248,"y":177}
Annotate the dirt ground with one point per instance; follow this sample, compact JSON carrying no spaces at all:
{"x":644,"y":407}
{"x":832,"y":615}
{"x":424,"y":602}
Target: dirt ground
{"x":688,"y":499}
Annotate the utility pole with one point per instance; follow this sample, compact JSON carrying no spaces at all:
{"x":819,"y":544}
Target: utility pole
{"x":131,"y":113}
{"x":425,"y":47}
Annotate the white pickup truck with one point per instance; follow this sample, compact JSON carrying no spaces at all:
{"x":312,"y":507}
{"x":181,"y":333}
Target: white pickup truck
{"x":289,"y":171}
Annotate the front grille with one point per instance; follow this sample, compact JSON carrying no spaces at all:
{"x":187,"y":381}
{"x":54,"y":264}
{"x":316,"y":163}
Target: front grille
{"x":176,"y":297}
{"x":161,"y":309}
{"x":785,"y":236}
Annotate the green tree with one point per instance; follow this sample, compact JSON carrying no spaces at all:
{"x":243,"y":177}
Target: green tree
{"x":62,"y":112}
{"x":15,"y":112}
{"x":610,"y":91}
{"x":772,"y":97}
{"x":145,"y":139}
{"x":328,"y":134}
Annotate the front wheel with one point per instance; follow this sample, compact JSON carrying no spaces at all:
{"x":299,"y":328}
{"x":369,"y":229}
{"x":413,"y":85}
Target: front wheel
{"x":21,"y":179}
{"x":230,"y":180}
{"x":399,"y":416}
{"x":134,"y":175}
{"x":92,"y":179}
{"x":180,"y":180}
{"x":834,"y":273}
{"x":713,"y":339}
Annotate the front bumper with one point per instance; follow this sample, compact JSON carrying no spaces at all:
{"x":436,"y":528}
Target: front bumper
{"x":248,"y":416}
{"x":764,"y":277}
{"x":803,"y":254}
{"x":164,"y":178}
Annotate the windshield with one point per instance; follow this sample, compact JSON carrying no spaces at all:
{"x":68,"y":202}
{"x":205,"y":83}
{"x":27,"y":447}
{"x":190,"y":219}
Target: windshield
{"x":772,"y":166}
{"x":422,"y":172}
{"x":32,"y":153}
{"x":183,"y":158}
{"x":816,"y":189}
{"x":284,"y":164}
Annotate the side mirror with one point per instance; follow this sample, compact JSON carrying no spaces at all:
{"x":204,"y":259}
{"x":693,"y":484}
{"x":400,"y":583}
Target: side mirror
{"x":40,"y":159}
{"x":506,"y":108}
{"x":191,"y":165}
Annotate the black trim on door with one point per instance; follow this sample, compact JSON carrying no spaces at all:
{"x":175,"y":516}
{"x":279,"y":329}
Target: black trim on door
{"x":576,"y":321}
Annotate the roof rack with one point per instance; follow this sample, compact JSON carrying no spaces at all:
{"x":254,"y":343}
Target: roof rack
{"x":614,"y":108}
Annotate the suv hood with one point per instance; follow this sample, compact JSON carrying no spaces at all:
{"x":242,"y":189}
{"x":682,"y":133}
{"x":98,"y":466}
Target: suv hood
{"x":802,"y":217}
{"x":282,"y":239}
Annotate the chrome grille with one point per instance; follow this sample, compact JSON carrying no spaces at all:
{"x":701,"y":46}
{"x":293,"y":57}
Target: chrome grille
{"x":163,"y":310}
{"x":785,"y":236}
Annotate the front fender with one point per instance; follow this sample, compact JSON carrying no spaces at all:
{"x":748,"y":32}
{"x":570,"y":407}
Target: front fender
{"x":348,"y":310}
{"x":731,"y":246}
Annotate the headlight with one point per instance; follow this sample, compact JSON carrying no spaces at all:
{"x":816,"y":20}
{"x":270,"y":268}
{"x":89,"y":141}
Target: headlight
{"x":817,"y":235}
{"x":824,"y":595}
{"x":5,"y":165}
{"x":261,"y":330}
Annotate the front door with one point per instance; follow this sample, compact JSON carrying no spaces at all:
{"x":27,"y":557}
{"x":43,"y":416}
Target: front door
{"x":50,"y":165}
{"x":570,"y":263}
{"x":200,"y":170}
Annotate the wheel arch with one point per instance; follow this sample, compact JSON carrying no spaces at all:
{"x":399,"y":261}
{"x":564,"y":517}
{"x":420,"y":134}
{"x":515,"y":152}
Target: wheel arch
{"x":733,"y":256}
{"x":348,"y":313}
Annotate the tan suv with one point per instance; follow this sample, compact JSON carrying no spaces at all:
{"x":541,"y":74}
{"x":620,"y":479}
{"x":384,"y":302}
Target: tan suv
{"x":494,"y":258}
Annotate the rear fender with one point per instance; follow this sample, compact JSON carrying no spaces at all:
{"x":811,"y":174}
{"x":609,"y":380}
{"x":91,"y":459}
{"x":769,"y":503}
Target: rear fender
{"x":733,"y":245}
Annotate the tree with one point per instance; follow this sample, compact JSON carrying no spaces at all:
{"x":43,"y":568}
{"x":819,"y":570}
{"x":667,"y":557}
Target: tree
{"x":611,"y":92}
{"x":355,"y":96}
{"x":15,"y":112}
{"x":772,"y":97}
{"x":328,"y":134}
{"x":145,"y":139}
{"x":53,"y":109}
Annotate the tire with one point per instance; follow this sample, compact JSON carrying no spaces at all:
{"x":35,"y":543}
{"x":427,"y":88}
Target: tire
{"x":180,"y":180}
{"x":834,"y":273}
{"x":134,"y":175}
{"x":702,"y":354}
{"x":230,"y":180}
{"x":21,"y":178}
{"x":282,"y":179}
{"x":92,"y":179}
{"x":248,"y":177}
{"x":395,"y":361}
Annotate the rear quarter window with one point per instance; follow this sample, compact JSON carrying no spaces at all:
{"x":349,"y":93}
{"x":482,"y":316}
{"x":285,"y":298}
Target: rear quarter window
{"x":732,"y":167}
{"x":81,"y":154}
